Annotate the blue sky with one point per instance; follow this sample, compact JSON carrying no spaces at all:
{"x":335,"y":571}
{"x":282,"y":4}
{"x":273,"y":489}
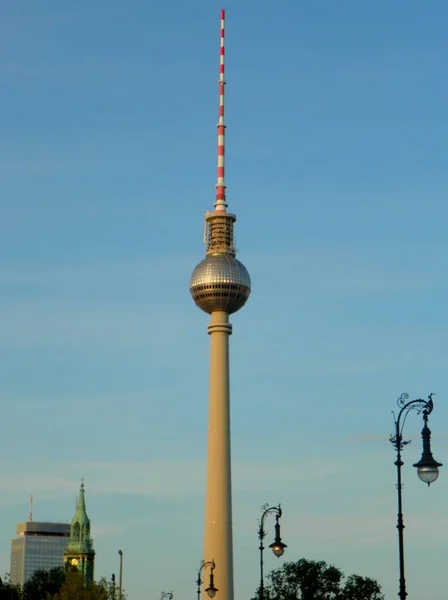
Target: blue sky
{"x":336,"y":168}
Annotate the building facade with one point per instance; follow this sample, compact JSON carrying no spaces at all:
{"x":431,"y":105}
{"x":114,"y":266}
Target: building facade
{"x":39,"y":546}
{"x":80,"y":555}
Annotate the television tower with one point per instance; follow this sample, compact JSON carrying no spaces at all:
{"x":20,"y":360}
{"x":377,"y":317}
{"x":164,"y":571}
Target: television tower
{"x":220,"y":285}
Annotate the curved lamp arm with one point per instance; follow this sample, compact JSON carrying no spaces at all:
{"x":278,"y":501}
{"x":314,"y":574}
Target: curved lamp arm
{"x":278,"y":547}
{"x":211,"y":590}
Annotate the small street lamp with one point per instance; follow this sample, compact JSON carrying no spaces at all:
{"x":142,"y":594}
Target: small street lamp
{"x":427,"y":467}
{"x":278,"y":547}
{"x":211,"y":590}
{"x":168,"y":595}
{"x":113,"y":585}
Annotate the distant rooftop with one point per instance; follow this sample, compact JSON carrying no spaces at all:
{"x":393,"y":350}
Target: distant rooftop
{"x":43,"y":528}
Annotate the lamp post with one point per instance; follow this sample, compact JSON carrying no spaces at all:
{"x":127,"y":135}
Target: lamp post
{"x":211,"y":590}
{"x":113,"y":585}
{"x":168,"y":595}
{"x":427,"y":467}
{"x":120,"y":580}
{"x":278,"y":547}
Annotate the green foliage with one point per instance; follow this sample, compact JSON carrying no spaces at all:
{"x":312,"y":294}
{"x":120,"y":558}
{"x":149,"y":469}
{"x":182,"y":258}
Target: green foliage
{"x":42,"y":583}
{"x":362,"y":588}
{"x":74,"y":588}
{"x":315,"y":580}
{"x":9,"y":591}
{"x":56,"y":584}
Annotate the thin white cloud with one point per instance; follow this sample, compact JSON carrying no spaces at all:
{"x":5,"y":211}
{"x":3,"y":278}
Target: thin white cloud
{"x":343,"y":271}
{"x":368,"y":529}
{"x":113,"y":304}
{"x":366,"y":438}
{"x":104,"y":529}
{"x":158,"y":478}
{"x":109,"y":305}
{"x":178,"y":479}
{"x":337,"y":270}
{"x":57,"y":324}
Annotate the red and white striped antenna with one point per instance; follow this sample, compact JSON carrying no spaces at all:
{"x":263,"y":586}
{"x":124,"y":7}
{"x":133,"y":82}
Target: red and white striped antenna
{"x":31,"y":507}
{"x":221,"y":204}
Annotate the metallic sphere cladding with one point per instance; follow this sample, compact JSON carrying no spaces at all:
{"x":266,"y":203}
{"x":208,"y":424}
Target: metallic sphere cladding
{"x":220,"y":282}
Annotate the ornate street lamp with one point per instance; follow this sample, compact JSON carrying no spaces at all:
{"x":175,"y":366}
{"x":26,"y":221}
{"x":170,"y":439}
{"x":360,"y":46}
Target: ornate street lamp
{"x":168,"y":595}
{"x":427,"y":467}
{"x":211,"y":590}
{"x":278,"y":547}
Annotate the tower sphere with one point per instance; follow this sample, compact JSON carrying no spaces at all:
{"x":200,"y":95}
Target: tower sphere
{"x":220,"y":282}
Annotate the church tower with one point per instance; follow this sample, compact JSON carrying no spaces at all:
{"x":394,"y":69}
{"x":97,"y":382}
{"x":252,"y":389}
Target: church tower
{"x":80,"y":555}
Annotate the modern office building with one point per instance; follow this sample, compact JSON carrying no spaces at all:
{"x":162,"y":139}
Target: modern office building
{"x":79,"y":554}
{"x":38,"y":546}
{"x":220,"y":285}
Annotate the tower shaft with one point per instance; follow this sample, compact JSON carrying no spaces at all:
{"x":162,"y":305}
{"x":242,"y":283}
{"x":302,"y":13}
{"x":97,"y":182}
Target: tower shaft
{"x":220,"y":285}
{"x":218,"y":511}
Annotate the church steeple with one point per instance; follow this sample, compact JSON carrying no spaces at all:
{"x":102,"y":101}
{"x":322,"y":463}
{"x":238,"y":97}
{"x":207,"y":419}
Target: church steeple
{"x":80,"y":554}
{"x":80,"y":527}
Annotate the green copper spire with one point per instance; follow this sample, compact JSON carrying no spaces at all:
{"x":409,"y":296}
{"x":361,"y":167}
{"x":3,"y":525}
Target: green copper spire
{"x":80,"y":554}
{"x":80,"y":527}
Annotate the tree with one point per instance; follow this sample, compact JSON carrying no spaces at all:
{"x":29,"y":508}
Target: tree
{"x":315,"y":580}
{"x":8,"y":591}
{"x":42,"y":583}
{"x":74,"y":588}
{"x":56,"y":584}
{"x":361,"y":588}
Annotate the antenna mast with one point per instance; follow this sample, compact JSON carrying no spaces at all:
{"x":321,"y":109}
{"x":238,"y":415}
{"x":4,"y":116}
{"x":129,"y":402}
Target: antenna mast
{"x":31,"y":507}
{"x":218,"y":233}
{"x":220,"y":186}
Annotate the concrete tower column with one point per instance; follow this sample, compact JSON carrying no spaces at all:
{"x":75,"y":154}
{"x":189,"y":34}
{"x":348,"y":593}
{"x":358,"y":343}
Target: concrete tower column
{"x":218,"y":511}
{"x":220,"y":285}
